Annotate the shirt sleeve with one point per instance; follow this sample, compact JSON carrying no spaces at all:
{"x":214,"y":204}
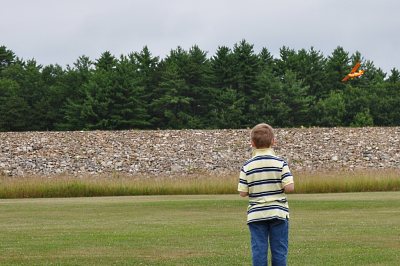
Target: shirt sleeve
{"x":286,"y":176}
{"x":242,"y":186}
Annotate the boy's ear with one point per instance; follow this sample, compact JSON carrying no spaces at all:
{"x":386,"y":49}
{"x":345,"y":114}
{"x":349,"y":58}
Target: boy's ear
{"x":252,"y":144}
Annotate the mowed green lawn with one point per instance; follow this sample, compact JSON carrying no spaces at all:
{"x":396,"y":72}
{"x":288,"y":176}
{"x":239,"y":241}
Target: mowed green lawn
{"x":326,"y":229}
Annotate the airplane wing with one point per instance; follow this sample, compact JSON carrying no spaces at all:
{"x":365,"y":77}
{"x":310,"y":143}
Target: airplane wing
{"x":353,"y":73}
{"x":354,"y":69}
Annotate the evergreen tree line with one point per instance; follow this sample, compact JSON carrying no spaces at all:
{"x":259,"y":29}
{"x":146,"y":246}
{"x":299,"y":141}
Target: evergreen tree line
{"x":234,"y":88}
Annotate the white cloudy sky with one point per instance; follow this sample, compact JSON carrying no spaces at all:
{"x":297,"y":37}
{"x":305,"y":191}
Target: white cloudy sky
{"x":59,"y":31}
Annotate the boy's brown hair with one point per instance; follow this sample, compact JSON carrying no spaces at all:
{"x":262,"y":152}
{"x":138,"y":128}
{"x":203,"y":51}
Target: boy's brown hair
{"x":262,"y":136}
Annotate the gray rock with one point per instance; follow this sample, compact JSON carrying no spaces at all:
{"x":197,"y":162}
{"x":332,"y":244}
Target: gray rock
{"x":158,"y":152}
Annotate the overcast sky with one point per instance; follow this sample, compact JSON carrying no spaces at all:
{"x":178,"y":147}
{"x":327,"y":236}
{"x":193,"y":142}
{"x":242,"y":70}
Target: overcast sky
{"x":59,"y":31}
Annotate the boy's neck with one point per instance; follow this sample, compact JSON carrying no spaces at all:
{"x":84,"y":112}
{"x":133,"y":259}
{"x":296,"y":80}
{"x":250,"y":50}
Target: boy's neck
{"x":257,"y":151}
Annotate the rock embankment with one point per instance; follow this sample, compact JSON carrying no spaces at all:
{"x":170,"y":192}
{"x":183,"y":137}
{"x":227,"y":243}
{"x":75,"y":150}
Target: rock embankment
{"x":170,"y":152}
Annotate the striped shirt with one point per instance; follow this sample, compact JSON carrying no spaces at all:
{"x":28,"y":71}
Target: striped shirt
{"x":263,"y":178}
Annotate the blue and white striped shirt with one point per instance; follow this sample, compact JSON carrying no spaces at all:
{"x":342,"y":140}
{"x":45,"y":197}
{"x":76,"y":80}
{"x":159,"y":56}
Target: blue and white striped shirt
{"x":263,"y":177}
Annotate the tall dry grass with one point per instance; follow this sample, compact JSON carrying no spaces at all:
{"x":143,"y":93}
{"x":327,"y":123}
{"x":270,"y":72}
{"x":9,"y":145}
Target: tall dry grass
{"x":119,"y":185}
{"x":348,"y":181}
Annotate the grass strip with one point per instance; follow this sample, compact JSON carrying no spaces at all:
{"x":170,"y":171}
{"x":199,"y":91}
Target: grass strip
{"x":120,"y":185}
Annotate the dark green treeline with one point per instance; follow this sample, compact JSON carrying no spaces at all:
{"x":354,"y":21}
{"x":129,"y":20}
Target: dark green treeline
{"x":234,"y":88}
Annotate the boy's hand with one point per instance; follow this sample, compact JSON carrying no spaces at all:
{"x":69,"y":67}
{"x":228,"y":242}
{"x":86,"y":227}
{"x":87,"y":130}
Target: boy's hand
{"x":289,"y":188}
{"x":243,"y":194}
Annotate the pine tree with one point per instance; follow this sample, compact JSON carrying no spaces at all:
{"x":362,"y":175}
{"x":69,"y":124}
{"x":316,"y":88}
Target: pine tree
{"x":394,"y":76}
{"x":246,"y":67}
{"x":330,"y":111}
{"x":13,"y":108}
{"x":222,"y":68}
{"x":171,"y":108}
{"x":7,"y":57}
{"x":337,"y":67}
{"x":76,"y":80}
{"x":147,"y":72}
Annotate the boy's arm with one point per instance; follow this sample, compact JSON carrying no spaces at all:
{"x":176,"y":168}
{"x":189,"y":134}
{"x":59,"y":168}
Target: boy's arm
{"x":242,"y":186}
{"x":287,"y":179}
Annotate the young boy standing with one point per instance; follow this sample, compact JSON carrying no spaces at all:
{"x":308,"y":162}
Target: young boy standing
{"x":265,"y":178}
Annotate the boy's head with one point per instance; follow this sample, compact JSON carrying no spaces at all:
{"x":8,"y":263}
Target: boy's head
{"x":262,"y":136}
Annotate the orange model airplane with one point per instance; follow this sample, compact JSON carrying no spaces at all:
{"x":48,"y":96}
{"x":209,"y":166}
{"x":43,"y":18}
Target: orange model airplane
{"x":353,"y":73}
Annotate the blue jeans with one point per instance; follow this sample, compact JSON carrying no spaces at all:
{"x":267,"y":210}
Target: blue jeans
{"x":275,"y":231}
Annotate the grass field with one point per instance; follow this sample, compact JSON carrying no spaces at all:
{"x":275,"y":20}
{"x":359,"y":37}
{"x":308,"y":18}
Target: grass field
{"x":325,"y":229}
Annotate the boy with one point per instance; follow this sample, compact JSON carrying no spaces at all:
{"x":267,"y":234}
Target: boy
{"x":265,"y":179}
